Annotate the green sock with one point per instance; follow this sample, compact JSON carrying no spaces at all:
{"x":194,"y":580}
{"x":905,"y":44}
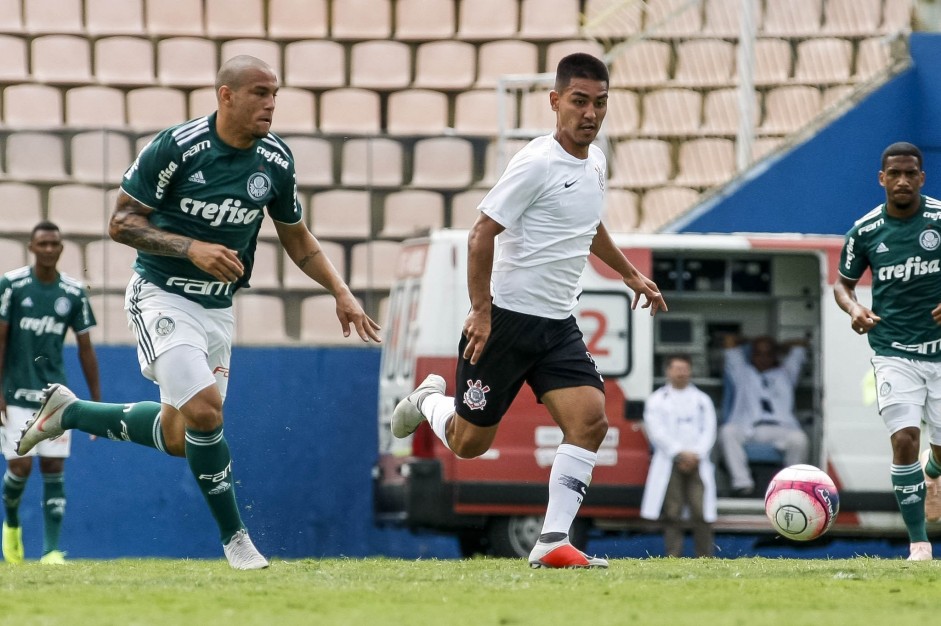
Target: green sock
{"x":138,"y":422}
{"x":908,"y":482}
{"x":211,"y":463}
{"x":932,"y":468}
{"x":53,"y":510}
{"x":13,"y":487}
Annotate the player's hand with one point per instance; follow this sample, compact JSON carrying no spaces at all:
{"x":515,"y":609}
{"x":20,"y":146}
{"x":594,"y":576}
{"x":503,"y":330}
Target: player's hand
{"x":477,"y":331}
{"x":936,"y":314}
{"x":863,"y":319}
{"x":350,"y":312}
{"x":643,"y":286}
{"x":221,"y":262}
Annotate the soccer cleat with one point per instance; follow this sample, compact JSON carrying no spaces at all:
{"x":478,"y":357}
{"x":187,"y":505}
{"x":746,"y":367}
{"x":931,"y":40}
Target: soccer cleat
{"x":47,"y":421}
{"x":12,"y":544}
{"x":562,"y":554}
{"x":920,"y":551}
{"x":407,"y":415}
{"x":53,"y":557}
{"x":932,"y":491}
{"x":242,"y":553}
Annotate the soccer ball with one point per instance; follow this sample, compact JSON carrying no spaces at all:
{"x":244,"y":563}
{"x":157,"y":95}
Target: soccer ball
{"x":801,"y":502}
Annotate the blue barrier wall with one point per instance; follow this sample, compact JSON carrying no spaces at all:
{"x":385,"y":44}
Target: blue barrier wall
{"x":824,"y":184}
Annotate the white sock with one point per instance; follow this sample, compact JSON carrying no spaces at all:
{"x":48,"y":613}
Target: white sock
{"x":568,"y":481}
{"x":438,"y":409}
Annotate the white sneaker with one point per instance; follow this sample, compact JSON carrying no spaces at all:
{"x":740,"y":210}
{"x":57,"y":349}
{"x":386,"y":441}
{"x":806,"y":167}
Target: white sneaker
{"x":562,"y":554}
{"x":242,"y":553}
{"x":407,"y":415}
{"x":932,"y":491}
{"x":920,"y":551}
{"x":47,"y":421}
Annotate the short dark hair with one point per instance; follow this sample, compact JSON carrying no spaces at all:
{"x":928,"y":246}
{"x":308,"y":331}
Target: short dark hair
{"x":43,"y":225}
{"x":678,"y":357}
{"x":579,"y":65}
{"x":903,"y":148}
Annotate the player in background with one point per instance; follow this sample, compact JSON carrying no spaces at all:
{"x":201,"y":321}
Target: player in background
{"x":192,"y":205}
{"x":900,"y":242}
{"x":38,"y":305}
{"x":543,"y":216}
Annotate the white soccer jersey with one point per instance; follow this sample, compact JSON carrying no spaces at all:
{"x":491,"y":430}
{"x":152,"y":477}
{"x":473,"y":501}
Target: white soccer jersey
{"x":550,"y":204}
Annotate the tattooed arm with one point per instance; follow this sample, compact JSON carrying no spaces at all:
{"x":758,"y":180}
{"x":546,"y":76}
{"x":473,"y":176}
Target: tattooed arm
{"x":130,"y":225}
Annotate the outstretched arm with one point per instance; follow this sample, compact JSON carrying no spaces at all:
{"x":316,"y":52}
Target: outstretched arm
{"x":603,"y":247}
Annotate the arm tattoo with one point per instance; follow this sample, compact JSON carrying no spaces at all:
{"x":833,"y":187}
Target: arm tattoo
{"x":302,"y":263}
{"x":155,"y":241}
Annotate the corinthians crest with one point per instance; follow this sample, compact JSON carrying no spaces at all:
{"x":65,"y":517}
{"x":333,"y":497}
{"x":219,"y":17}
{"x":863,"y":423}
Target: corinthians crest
{"x":476,"y":395}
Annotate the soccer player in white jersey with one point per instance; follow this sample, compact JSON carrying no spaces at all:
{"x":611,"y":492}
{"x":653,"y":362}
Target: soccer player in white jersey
{"x":543,"y":217}
{"x":191,"y":204}
{"x":900,"y":242}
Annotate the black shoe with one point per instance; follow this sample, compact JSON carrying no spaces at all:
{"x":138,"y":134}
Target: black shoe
{"x":744,"y":492}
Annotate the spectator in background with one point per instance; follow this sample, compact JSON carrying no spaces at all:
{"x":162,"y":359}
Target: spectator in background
{"x":762,"y":408}
{"x":38,"y":305}
{"x":680,"y":421}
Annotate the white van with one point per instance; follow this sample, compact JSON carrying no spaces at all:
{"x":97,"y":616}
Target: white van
{"x":750,"y":284}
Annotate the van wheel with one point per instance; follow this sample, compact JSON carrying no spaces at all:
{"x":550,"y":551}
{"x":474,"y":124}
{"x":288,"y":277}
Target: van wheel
{"x":472,"y":541}
{"x":514,"y":537}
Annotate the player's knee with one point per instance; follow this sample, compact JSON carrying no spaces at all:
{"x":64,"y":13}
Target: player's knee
{"x":468,"y":449}
{"x":51,"y":465}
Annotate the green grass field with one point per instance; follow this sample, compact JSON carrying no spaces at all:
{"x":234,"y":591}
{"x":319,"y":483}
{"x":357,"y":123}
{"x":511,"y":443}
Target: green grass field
{"x":377,"y":592}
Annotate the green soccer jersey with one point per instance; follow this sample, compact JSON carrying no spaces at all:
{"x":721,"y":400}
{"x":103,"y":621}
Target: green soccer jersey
{"x":38,"y":315}
{"x":904,"y":256}
{"x":201,"y":187}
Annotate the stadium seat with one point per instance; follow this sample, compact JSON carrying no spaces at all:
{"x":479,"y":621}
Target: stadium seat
{"x":464,"y":205}
{"x":487,"y":19}
{"x":621,"y":210}
{"x":536,"y":114}
{"x":673,"y":18}
{"x":548,"y":19}
{"x":872,"y":57}
{"x":788,"y":108}
{"x":445,"y":65}
{"x":94,"y":106}
{"x":443,"y":163}
{"x":705,"y":162}
{"x":350,"y":111}
{"x":186,"y":62}
{"x":259,"y":319}
{"x":265,"y":267}
{"x":150,"y":109}
{"x":662,"y":205}
{"x":723,"y":18}
{"x":772,"y":61}
{"x":372,"y":264}
{"x":32,"y":105}
{"x":640,"y":163}
{"x":416,"y":112}
{"x":13,"y":52}
{"x":175,"y":18}
{"x":644,"y":63}
{"x":111,"y":325}
{"x":671,"y":112}
{"x":380,"y":64}
{"x":11,"y":17}
{"x":295,"y":111}
{"x":361,"y":19}
{"x":763,"y":146}
{"x":851,"y":18}
{"x":704,"y":63}
{"x":313,"y":158}
{"x":80,"y":210}
{"x":897,"y":16}
{"x":72,"y":261}
{"x":296,"y":279}
{"x":13,"y":253}
{"x":823,"y":61}
{"x":341,"y":214}
{"x":62,"y":16}
{"x":100,"y":157}
{"x":613,"y":19}
{"x":297,"y":19}
{"x":226,"y":19}
{"x":497,"y":157}
{"x":317,"y":64}
{"x":21,"y":208}
{"x":64,"y":59}
{"x":722,"y":113}
{"x":124,"y":61}
{"x":108,"y":264}
{"x":424,"y":20}
{"x":555,"y":50}
{"x":623,"y":118}
{"x":201,"y":101}
{"x":792,"y":18}
{"x":267,"y":51}
{"x":507,"y":56}
{"x":114,"y":17}
{"x":371,"y":162}
{"x":410,"y":212}
{"x":319,"y":323}
{"x":35,"y":156}
{"x":476,"y":112}
{"x":834,"y":96}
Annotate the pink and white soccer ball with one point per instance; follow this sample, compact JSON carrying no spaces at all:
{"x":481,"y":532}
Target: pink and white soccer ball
{"x":802,"y":502}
